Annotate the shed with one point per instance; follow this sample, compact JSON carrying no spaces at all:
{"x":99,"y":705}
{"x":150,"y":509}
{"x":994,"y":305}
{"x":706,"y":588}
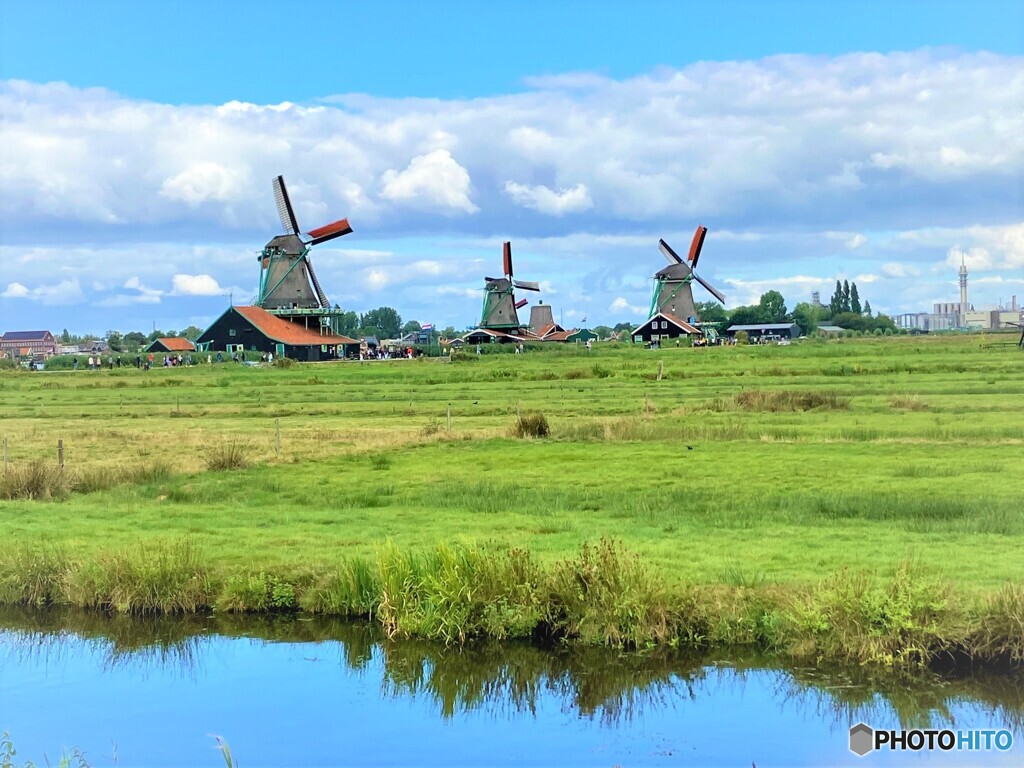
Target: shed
{"x":171,"y":344}
{"x":766,"y":331}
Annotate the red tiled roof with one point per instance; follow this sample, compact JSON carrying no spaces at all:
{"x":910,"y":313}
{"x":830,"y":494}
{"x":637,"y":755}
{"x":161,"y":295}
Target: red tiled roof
{"x":177,"y":344}
{"x":286,"y":332}
{"x":559,"y":336}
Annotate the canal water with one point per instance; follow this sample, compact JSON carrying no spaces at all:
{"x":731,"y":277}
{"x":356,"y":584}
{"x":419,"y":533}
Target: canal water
{"x":287,"y":691}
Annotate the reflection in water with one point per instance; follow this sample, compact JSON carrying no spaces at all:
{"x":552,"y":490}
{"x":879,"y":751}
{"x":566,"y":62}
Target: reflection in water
{"x":598,"y":683}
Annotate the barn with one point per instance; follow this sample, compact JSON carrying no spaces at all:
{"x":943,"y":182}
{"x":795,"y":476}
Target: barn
{"x":766,"y":331}
{"x":254,"y":329}
{"x":171,"y":344}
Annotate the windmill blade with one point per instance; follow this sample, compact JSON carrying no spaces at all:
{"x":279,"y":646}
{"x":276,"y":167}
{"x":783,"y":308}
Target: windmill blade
{"x":696,"y":245}
{"x":526,"y":285}
{"x":320,"y":295}
{"x":710,"y":288}
{"x":284,"y":206}
{"x":521,"y":303}
{"x":329,"y":231}
{"x":506,"y":258}
{"x":668,"y":253}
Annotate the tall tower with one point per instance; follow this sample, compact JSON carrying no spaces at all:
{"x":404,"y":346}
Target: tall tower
{"x":963,"y":291}
{"x":816,"y":298}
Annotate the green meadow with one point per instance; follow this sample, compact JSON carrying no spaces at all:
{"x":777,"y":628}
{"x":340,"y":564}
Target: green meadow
{"x":755,"y":470}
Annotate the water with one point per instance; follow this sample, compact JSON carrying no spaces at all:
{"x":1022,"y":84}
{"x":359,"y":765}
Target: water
{"x":292,"y":692}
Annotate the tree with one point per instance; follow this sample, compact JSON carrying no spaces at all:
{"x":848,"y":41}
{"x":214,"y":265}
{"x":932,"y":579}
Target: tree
{"x":745,"y":316}
{"x":710,"y":312}
{"x":449,"y":333}
{"x":603,"y":331}
{"x":854,"y":300}
{"x":115,"y":341}
{"x":867,"y":308}
{"x":192,"y":333}
{"x":133,"y":340}
{"x":156,"y":334}
{"x":386,"y":321}
{"x":348,"y":323}
{"x":835,"y":305}
{"x":65,"y":337}
{"x":772,"y":308}
{"x":808,"y":316}
{"x":412,"y":326}
{"x":846,"y":295}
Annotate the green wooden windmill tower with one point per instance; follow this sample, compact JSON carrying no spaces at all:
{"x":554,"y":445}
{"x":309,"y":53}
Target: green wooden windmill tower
{"x":673,"y":291}
{"x":501,"y":310}
{"x":289,"y":287}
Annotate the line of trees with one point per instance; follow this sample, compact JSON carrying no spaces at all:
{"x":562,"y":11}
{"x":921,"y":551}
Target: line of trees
{"x":844,"y":310}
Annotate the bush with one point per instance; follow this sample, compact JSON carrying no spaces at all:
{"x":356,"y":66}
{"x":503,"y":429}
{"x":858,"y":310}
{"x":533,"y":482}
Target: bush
{"x":233,"y":455}
{"x":531,"y":424}
{"x":742,"y":337}
{"x":283,"y":362}
{"x":34,"y":480}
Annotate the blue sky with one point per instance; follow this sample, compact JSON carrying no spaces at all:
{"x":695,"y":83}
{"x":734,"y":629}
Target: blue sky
{"x":862,"y":140}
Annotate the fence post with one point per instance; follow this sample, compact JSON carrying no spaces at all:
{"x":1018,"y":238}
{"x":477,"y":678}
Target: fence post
{"x":449,"y":421}
{"x":277,"y":437}
{"x":661,"y":369}
{"x":60,"y":454}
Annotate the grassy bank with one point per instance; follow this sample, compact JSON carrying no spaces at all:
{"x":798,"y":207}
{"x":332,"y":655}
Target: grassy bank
{"x":741,"y":475}
{"x":603,"y":595}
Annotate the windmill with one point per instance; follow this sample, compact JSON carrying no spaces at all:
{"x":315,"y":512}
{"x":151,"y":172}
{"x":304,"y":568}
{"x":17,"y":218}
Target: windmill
{"x":673,"y":291}
{"x":287,"y":279}
{"x":501,"y":310}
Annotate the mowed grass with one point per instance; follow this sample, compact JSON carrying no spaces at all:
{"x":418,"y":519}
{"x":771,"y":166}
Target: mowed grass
{"x":741,"y":465}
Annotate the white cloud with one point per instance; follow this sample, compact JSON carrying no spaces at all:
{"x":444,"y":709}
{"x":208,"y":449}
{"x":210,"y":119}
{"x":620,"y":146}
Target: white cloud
{"x":15,"y":291}
{"x":196,"y":285}
{"x":895,"y":269}
{"x":435,"y":180}
{"x":620,"y":306}
{"x":204,"y":181}
{"x":544,"y":200}
{"x":62,"y":293}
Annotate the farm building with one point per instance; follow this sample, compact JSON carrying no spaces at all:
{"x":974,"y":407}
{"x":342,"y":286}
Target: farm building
{"x":766,"y":331}
{"x":256,"y":330}
{"x":171,"y":344}
{"x":28,"y":344}
{"x":663,"y":326}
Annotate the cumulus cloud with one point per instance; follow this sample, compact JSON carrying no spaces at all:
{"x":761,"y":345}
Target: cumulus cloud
{"x":64,"y":292}
{"x":881,"y":139}
{"x":621,"y":306}
{"x":203,"y":182}
{"x":548,"y":201}
{"x":196,"y":285}
{"x":435,"y":180}
{"x":15,"y":291}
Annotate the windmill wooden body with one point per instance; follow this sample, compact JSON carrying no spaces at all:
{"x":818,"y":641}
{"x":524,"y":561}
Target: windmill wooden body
{"x":501,"y":310}
{"x":673,"y":312}
{"x":289,"y":286}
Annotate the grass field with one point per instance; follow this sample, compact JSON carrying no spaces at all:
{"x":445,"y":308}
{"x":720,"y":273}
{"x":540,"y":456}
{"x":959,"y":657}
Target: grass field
{"x":741,"y":467}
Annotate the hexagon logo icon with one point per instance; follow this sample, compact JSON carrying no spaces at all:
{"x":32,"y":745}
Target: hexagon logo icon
{"x":862,"y":739}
